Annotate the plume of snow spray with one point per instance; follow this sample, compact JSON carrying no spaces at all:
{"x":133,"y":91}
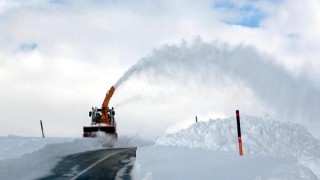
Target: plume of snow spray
{"x":131,"y":71}
{"x":291,"y":97}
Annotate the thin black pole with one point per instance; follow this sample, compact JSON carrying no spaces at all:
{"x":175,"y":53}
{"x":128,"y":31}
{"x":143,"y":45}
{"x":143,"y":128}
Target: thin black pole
{"x":196,"y":119}
{"x":238,"y":123}
{"x":41,"y":128}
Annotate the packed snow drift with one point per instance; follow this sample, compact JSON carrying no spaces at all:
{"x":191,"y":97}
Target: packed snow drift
{"x":16,"y":146}
{"x":44,"y":156}
{"x":259,"y":136}
{"x":32,"y":158}
{"x":209,"y":150}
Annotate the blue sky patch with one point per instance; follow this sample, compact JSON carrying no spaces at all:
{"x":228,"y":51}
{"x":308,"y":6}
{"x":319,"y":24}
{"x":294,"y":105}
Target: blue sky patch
{"x":224,"y":5}
{"x":57,"y":1}
{"x":252,"y":17}
{"x":28,"y":47}
{"x":249,"y":15}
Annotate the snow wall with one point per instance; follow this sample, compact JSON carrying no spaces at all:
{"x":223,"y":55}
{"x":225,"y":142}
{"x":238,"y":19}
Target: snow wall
{"x":260,"y":137}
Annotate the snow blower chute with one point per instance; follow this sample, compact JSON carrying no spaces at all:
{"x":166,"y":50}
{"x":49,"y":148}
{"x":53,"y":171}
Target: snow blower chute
{"x":102,"y":120}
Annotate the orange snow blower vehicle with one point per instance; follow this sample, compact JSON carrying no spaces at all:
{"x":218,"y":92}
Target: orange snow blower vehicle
{"x":102,"y":120}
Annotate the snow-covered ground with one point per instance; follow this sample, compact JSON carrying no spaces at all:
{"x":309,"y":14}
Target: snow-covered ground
{"x":15,"y":146}
{"x":209,"y":150}
{"x":184,"y":163}
{"x":205,"y":150}
{"x":31,"y":158}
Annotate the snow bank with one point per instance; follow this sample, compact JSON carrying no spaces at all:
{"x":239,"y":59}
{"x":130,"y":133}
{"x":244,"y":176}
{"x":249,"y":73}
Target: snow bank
{"x":15,"y":146}
{"x":31,"y":158}
{"x":260,"y":137}
{"x":171,"y":163}
{"x":40,"y":162}
{"x":209,"y":150}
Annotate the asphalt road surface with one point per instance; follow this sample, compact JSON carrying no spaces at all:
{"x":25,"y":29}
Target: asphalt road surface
{"x":99,"y":164}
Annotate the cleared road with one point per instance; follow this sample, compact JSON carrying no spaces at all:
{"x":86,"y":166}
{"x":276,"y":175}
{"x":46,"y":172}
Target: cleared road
{"x":99,"y":164}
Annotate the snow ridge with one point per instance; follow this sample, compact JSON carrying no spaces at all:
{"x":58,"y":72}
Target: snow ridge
{"x":32,"y":158}
{"x":260,"y":136}
{"x":39,"y":163}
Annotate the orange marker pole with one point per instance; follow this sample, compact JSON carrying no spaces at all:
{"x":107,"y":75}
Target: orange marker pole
{"x":239,"y":132}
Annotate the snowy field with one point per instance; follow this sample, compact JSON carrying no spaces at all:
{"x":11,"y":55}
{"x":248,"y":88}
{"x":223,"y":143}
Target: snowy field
{"x":31,"y":158}
{"x":15,"y":146}
{"x":209,"y":150}
{"x":205,"y":150}
{"x":183,"y":163}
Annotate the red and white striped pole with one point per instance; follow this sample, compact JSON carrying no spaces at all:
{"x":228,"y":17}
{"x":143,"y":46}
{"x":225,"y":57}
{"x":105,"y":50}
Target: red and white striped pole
{"x":239,"y":132}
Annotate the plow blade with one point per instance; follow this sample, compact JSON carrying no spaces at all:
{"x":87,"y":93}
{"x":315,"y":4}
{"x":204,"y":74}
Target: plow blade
{"x":91,"y":131}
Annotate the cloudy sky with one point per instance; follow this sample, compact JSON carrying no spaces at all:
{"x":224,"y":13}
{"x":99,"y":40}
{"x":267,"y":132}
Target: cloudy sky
{"x":58,"y":58}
